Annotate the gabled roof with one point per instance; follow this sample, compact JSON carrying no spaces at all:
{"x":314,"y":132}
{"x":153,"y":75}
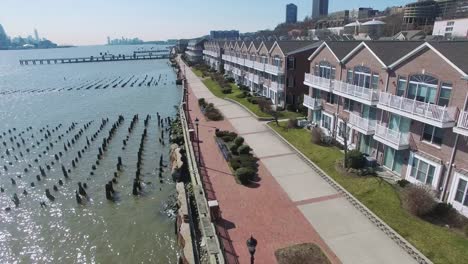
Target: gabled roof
{"x":287,"y":46}
{"x":245,"y":45}
{"x":266,"y":44}
{"x":254,"y":45}
{"x":338,"y":48}
{"x":386,"y":52}
{"x":309,"y":47}
{"x":453,"y":52}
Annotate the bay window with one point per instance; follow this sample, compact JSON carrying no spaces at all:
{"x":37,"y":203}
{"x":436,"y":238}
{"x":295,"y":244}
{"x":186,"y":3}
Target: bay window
{"x":422,"y":171}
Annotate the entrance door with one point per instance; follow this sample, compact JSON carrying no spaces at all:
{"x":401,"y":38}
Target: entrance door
{"x":393,"y":159}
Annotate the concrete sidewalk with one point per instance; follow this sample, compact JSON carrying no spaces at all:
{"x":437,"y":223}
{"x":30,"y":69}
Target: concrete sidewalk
{"x":349,"y":234}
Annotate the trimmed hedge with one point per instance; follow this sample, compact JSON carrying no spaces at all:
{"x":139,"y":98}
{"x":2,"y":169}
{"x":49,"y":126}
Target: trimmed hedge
{"x":245,"y":175}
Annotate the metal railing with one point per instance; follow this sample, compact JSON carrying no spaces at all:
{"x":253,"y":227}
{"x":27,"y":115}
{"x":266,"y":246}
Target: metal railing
{"x":425,"y":110}
{"x":249,"y":63}
{"x":318,"y":82}
{"x":365,"y":124}
{"x":353,"y":91}
{"x":273,"y":69}
{"x":312,"y":103}
{"x":393,"y":136}
{"x":259,"y":66}
{"x":463,"y":120}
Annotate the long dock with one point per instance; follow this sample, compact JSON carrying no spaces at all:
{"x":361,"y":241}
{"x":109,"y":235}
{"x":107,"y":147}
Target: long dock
{"x":93,"y":59}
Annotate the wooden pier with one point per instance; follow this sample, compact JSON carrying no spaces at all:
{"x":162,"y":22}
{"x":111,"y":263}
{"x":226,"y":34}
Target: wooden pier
{"x":94,"y":59}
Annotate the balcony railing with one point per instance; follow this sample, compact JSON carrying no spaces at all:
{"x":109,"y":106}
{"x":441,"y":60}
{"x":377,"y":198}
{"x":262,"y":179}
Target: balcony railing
{"x":248,"y":63}
{"x":227,"y":67}
{"x":240,"y":61}
{"x":357,"y":93}
{"x":237,"y":71}
{"x":392,"y":138}
{"x":363,"y":125}
{"x":257,"y":79}
{"x":276,"y":86}
{"x":318,"y":82}
{"x":259,"y":66}
{"x":435,"y":115}
{"x":462,"y":125}
{"x":273,"y":69}
{"x":312,"y":103}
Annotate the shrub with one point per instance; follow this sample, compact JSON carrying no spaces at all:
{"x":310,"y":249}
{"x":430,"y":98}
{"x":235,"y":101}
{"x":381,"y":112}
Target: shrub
{"x":239,"y":141}
{"x":233,"y":148}
{"x":356,"y":159}
{"x":214,"y":115}
{"x":418,"y":200}
{"x":230,"y":79}
{"x":292,"y":123}
{"x":441,"y":210}
{"x":291,"y":108}
{"x":226,"y":90}
{"x":465,"y":230}
{"x":227,"y":136}
{"x":245,"y":175}
{"x":235,"y":163}
{"x":264,"y":105}
{"x":202,"y":102}
{"x":403,"y":183}
{"x":316,"y":135}
{"x":244,"y":149}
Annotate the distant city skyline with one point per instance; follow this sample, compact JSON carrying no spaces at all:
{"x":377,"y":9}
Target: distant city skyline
{"x":88,"y":22}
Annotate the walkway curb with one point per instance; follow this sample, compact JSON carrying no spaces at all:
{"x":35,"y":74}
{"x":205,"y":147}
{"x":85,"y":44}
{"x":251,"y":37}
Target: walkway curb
{"x":379,"y":223}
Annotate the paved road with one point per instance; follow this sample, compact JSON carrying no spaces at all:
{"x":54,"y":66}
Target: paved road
{"x":348,"y":233}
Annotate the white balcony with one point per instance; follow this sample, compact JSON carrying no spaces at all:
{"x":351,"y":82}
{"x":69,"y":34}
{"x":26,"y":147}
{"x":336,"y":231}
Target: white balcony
{"x":361,"y":124}
{"x":312,"y":103}
{"x":248,"y":63}
{"x":259,"y":66}
{"x":462,"y":125}
{"x":276,"y":87}
{"x":226,"y":58}
{"x":237,"y":71}
{"x":257,"y":79}
{"x":391,"y":138}
{"x":318,"y":82}
{"x":431,"y":114}
{"x":357,"y":93}
{"x":250,"y":77}
{"x":273,"y":69}
{"x":227,"y":67}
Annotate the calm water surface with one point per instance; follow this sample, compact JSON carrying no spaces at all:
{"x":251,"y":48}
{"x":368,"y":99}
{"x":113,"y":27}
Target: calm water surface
{"x":131,"y":230}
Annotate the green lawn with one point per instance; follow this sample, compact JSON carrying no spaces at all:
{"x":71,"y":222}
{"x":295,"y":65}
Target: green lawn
{"x":216,"y":90}
{"x":197,"y":72}
{"x":437,"y":243}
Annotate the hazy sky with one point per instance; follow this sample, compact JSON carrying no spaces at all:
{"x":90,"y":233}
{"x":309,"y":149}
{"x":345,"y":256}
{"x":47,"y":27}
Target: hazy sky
{"x":83,"y":22}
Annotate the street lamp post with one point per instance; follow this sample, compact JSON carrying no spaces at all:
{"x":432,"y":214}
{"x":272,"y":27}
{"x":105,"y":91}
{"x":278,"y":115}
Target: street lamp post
{"x":197,"y":122}
{"x":251,"y":245}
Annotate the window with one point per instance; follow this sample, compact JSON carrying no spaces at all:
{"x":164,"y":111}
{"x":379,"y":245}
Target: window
{"x":316,"y":93}
{"x":375,"y":82}
{"x":291,"y":82}
{"x":433,"y":134}
{"x":461,"y":194}
{"x":401,"y":88}
{"x":326,"y":122}
{"x":422,"y":171}
{"x":348,"y":105}
{"x":364,"y":78}
{"x":291,"y":63}
{"x":449,"y":29}
{"x":277,"y":61}
{"x":331,"y":98}
{"x":325,"y":70}
{"x":349,"y":76}
{"x":343,"y":131}
{"x":445,"y":92}
{"x":450,"y":23}
{"x":264,"y":59}
{"x":423,"y":88}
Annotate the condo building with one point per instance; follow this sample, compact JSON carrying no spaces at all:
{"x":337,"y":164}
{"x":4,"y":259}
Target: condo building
{"x":403,"y":104}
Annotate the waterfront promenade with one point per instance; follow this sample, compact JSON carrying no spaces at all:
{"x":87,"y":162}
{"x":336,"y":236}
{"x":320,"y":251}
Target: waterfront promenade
{"x":290,"y":204}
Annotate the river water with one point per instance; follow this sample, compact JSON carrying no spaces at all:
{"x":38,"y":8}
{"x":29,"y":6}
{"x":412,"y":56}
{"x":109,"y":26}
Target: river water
{"x":42,"y":99}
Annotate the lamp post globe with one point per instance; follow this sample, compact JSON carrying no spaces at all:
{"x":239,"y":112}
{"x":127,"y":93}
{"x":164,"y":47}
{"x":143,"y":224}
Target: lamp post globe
{"x":252,"y":245}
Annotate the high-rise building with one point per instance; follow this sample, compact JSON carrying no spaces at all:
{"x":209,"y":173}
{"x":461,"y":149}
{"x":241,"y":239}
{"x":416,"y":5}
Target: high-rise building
{"x":291,"y":13}
{"x":36,"y":36}
{"x":319,"y":8}
{"x":4,"y":41}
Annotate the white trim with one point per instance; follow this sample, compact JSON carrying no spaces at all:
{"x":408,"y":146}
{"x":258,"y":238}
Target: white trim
{"x":437,"y":171}
{"x":272,"y":47}
{"x":363,"y":44}
{"x":324,"y":44}
{"x":329,"y":132}
{"x":463,"y":209}
{"x":421,"y":47}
